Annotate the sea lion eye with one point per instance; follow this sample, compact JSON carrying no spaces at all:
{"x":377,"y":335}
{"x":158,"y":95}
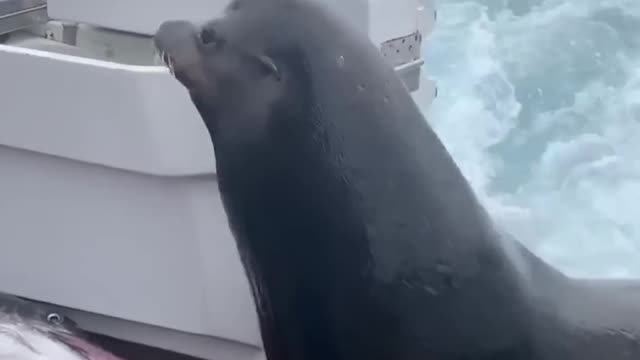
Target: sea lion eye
{"x":208,"y":36}
{"x":54,"y":318}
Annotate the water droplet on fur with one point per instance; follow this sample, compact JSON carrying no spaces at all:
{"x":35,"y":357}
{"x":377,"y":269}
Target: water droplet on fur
{"x":431,"y":290}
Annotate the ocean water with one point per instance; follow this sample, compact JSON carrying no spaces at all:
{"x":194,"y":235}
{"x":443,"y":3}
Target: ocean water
{"x":539,"y":103}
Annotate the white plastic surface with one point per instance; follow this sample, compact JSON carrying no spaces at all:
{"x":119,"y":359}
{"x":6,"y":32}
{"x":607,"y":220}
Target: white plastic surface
{"x":389,"y":22}
{"x":136,"y":118}
{"x":152,"y":250}
{"x":144,"y":16}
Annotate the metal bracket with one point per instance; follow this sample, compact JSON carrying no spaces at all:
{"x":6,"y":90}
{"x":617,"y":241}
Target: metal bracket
{"x":402,"y":50}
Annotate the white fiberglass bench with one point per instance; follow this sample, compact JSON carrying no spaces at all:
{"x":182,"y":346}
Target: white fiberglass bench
{"x":108,"y":203}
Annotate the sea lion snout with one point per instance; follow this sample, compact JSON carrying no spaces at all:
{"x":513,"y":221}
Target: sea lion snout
{"x":179,"y":44}
{"x":175,"y":35}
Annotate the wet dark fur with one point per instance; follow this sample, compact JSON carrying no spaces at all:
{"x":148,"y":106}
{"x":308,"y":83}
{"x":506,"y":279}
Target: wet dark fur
{"x":361,"y":237}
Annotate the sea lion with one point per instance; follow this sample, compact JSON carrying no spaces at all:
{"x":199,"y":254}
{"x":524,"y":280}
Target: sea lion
{"x":32,"y":331}
{"x":359,"y":234}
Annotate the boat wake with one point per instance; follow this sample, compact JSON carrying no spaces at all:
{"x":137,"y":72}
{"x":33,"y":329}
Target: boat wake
{"x":539,"y":103}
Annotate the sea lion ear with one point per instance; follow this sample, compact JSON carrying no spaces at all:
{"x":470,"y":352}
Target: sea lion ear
{"x":269,"y":66}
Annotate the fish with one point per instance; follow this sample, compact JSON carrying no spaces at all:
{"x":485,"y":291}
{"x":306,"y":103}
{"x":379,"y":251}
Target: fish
{"x":33,"y":331}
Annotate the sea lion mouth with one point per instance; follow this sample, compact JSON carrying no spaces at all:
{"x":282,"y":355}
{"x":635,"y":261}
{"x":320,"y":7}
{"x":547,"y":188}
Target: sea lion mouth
{"x":164,"y":58}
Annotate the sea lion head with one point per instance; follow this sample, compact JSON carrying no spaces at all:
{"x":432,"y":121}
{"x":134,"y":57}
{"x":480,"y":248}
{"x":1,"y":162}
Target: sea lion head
{"x":262,"y":62}
{"x":240,"y":66}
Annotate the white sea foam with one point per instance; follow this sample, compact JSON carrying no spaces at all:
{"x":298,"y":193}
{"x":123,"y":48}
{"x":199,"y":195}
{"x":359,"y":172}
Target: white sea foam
{"x":539,"y":102}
